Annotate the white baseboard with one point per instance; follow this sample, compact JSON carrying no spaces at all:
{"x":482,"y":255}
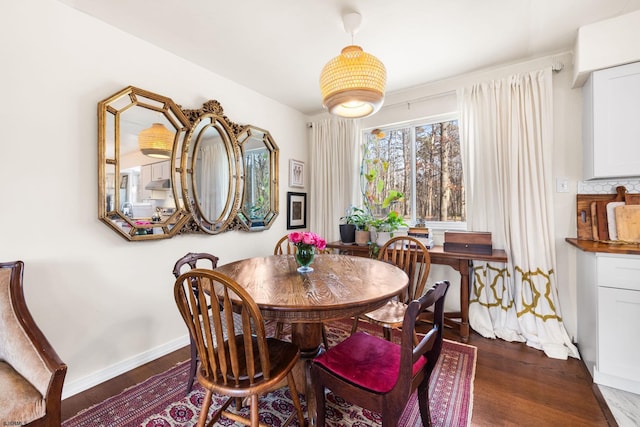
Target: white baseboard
{"x":98,"y":377}
{"x":630,"y":384}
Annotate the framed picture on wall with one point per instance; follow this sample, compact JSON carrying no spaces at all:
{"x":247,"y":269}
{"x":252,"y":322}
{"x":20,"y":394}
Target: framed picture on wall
{"x":296,"y":173}
{"x":296,"y":210}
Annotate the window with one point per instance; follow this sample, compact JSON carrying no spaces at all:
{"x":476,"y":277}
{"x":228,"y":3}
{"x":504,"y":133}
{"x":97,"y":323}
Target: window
{"x":422,"y":161}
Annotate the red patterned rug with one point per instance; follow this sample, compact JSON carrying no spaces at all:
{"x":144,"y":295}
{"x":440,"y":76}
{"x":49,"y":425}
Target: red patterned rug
{"x":160,"y":401}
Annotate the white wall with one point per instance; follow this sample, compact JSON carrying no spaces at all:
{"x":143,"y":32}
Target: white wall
{"x":439,"y":98}
{"x":104,"y":303}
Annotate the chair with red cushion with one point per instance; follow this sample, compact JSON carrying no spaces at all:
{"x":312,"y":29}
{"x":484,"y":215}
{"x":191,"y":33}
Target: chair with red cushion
{"x":381,"y":375}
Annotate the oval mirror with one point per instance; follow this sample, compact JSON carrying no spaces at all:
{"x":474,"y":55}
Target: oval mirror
{"x":259,"y":206}
{"x":210,"y":173}
{"x":139,"y":196}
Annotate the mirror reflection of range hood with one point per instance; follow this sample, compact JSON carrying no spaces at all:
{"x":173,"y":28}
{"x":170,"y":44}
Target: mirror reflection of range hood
{"x":161,"y":184}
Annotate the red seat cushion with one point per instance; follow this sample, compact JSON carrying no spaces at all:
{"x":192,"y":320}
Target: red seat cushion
{"x":367,"y":361}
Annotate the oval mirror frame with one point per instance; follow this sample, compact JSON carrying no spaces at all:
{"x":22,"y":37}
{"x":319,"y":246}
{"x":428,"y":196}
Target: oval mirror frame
{"x":259,"y":207}
{"x":121,"y":117}
{"x":210,"y":176}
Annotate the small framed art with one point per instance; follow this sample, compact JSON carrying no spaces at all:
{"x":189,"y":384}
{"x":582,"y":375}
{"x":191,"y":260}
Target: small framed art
{"x":296,"y":173}
{"x":296,"y":210}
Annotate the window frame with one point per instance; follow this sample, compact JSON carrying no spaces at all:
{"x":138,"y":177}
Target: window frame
{"x":412,"y":124}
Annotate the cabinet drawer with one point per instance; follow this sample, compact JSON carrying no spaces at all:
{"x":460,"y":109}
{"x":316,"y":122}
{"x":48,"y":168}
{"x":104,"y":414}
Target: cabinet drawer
{"x":621,"y":272}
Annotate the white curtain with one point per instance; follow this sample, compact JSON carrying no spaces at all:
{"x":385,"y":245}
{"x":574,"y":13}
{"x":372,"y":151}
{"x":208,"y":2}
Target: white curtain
{"x":334,"y":155}
{"x":214,"y":180}
{"x":506,"y":131}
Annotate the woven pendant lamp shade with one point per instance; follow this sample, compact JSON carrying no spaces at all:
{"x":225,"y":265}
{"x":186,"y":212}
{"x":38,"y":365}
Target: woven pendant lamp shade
{"x":352,"y":84}
{"x":156,"y":141}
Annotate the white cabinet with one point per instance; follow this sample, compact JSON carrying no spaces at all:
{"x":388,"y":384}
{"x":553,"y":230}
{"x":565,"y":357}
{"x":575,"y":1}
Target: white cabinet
{"x":611,"y":124}
{"x":145,"y":178}
{"x":608,"y":318}
{"x":160,"y":171}
{"x":155,"y":172}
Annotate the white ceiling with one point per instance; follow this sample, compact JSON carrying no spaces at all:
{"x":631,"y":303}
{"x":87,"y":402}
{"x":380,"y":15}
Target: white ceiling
{"x":278,"y":47}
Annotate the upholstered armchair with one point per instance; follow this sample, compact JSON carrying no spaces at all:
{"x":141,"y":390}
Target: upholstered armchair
{"x":31,"y":373}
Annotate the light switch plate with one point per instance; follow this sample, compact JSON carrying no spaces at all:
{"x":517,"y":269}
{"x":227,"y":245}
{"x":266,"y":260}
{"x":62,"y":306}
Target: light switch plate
{"x":562,"y":185}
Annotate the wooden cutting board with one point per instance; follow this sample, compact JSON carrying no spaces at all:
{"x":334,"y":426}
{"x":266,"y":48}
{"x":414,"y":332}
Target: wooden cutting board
{"x":601,"y":209}
{"x":628,"y":223}
{"x":632,"y":199}
{"x":587,"y":227}
{"x":584,"y":220}
{"x":594,"y":221}
{"x":611,"y":219}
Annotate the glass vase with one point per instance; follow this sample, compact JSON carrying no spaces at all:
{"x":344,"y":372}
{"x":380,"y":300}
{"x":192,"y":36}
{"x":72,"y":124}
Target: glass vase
{"x":304,"y":257}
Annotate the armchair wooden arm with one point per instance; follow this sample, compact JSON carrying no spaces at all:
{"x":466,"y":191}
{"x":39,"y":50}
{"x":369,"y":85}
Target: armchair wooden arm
{"x":31,"y":372}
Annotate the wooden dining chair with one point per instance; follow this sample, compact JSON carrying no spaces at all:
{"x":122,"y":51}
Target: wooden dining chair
{"x":240,"y":366}
{"x":380,"y":375}
{"x":190,"y":261}
{"x":285,"y":247}
{"x":410,"y":255}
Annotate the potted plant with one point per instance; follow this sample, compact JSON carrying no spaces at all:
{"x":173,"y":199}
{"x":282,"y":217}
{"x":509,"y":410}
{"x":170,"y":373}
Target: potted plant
{"x":348,"y":226}
{"x":386,"y":226}
{"x":362,"y":219}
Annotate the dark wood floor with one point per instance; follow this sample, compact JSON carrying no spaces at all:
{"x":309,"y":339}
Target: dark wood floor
{"x":515,"y":385}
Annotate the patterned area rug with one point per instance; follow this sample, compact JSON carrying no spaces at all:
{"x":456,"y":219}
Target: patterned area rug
{"x":160,"y":401}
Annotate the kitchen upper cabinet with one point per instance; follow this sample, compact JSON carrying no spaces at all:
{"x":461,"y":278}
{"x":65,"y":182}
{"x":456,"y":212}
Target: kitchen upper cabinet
{"x":155,"y":172}
{"x":160,"y":170}
{"x":145,"y":179}
{"x":611,"y":123}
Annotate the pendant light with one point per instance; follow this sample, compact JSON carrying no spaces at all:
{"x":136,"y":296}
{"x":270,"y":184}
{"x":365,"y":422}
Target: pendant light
{"x":156,"y":141}
{"x":353,"y":83}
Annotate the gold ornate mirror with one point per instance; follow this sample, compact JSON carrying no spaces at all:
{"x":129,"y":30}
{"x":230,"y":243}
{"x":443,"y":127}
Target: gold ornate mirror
{"x":210,"y":178}
{"x":259,"y":206}
{"x":137,"y":133}
{"x":164,"y":170}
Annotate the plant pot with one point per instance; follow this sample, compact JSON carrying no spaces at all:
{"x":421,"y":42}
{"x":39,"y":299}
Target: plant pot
{"x":373,"y":235}
{"x":347,"y":233}
{"x":383,"y":237}
{"x":362,"y":237}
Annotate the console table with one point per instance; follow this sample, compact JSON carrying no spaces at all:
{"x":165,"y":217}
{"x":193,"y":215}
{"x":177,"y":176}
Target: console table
{"x":461,"y":262}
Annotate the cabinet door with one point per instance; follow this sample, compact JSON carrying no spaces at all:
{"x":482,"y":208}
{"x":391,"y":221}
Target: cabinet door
{"x":615,"y":109}
{"x":145,"y":178}
{"x":619,"y":334}
{"x":160,"y":171}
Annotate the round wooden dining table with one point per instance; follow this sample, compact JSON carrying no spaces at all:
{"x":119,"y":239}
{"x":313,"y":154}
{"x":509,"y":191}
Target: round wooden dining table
{"x":340,"y":286}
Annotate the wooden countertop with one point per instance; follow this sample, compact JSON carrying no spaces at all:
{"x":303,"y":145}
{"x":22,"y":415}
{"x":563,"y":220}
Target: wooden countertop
{"x":610,"y":248}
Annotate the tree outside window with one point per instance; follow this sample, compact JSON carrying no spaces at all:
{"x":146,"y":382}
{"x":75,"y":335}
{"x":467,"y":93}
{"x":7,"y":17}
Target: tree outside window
{"x":416,"y":170}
